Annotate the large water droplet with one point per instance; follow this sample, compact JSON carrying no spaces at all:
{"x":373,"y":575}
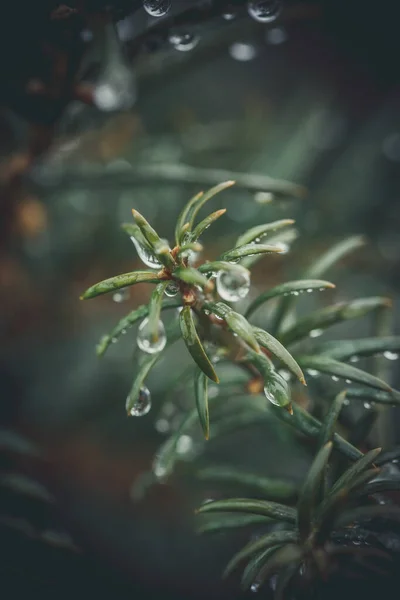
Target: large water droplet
{"x":145,"y":255}
{"x":367,"y":405}
{"x":172,"y":289}
{"x":149,"y":341}
{"x":183,"y":41}
{"x":276,"y":390}
{"x":391,"y":355}
{"x":233,"y":286}
{"x":121,"y":295}
{"x":334,"y":378}
{"x":157,"y":8}
{"x":316,"y":333}
{"x":143,"y":403}
{"x":264,"y":11}
{"x":255,"y":587}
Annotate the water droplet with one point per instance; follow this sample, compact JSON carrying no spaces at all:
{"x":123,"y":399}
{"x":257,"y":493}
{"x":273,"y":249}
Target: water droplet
{"x":309,"y":290}
{"x":172,"y":289}
{"x":264,"y":11}
{"x":295,"y":293}
{"x":121,"y":295}
{"x":313,"y":373}
{"x":276,"y":389}
{"x":145,"y":255}
{"x":143,"y":403}
{"x":391,"y":355}
{"x":242,"y":52}
{"x":395,"y":461}
{"x":162,"y":425}
{"x":233,"y":286}
{"x":367,"y":405}
{"x":184,"y":444}
{"x":348,"y":380}
{"x":354,"y":359}
{"x":316,"y":333}
{"x":149,"y":341}
{"x":114,"y":340}
{"x":157,"y":8}
{"x":183,"y":41}
{"x":255,"y":587}
{"x":346,"y":402}
{"x":334,"y":378}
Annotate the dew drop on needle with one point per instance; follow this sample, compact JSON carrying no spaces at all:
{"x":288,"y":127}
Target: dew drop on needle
{"x":172,"y":289}
{"x":151,"y":341}
{"x":145,"y":255}
{"x":232,"y":286}
{"x":157,"y":8}
{"x":264,"y":11}
{"x":142,"y":404}
{"x":183,"y":41}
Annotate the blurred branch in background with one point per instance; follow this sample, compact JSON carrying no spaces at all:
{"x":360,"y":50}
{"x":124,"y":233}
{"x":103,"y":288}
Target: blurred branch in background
{"x":126,"y":175}
{"x":309,"y":98}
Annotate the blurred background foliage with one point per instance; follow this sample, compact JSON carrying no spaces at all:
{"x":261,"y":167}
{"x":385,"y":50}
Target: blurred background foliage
{"x":312,"y":98}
